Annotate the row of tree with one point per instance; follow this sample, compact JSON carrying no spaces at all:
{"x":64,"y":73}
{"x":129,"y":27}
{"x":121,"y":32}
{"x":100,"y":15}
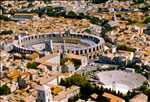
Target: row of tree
{"x":6,"y":32}
{"x":138,"y":1}
{"x":145,"y":89}
{"x":99,"y":1}
{"x":5,"y":18}
{"x":86,"y":88}
{"x":141,"y":69}
{"x":126,"y":48}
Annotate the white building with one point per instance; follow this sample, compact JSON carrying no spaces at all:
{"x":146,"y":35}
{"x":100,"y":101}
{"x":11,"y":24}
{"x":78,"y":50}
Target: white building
{"x":44,"y":94}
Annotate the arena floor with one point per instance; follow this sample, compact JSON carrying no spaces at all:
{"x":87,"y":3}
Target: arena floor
{"x":58,"y":46}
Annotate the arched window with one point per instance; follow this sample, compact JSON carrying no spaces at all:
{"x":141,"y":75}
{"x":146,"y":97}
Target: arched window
{"x":85,"y":50}
{"x":97,"y":47}
{"x":94,"y":49}
{"x":89,"y":49}
{"x":81,"y":51}
{"x":77,"y":52}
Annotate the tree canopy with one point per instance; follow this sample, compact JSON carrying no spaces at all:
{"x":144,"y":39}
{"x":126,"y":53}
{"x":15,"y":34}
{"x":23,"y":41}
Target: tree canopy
{"x":147,"y":20}
{"x":4,"y":90}
{"x":76,"y":79}
{"x":32,"y":65}
{"x":6,"y":32}
{"x":64,"y":68}
{"x":138,"y":1}
{"x":126,"y":48}
{"x":99,"y":1}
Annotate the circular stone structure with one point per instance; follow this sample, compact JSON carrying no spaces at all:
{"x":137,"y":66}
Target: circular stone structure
{"x":120,"y":80}
{"x":75,"y":43}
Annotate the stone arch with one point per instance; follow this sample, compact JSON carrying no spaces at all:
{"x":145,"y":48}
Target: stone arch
{"x":98,"y":54}
{"x":77,"y":52}
{"x":81,"y":52}
{"x":90,"y":50}
{"x":53,"y":35}
{"x":90,"y":57}
{"x":94,"y":56}
{"x":36,"y":37}
{"x":93,"y":49}
{"x":97,"y":48}
{"x":57,"y":51}
{"x":85,"y":51}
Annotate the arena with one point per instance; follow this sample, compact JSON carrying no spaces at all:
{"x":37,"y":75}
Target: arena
{"x":120,"y":80}
{"x":75,"y":43}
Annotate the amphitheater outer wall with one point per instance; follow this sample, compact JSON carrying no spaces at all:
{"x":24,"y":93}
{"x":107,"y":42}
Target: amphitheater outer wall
{"x":90,"y":51}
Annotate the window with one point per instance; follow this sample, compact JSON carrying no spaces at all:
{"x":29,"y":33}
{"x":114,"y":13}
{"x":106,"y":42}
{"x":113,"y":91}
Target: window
{"x":77,"y":52}
{"x":90,"y":50}
{"x":94,"y":49}
{"x":81,"y":52}
{"x":85,"y":51}
{"x":97,"y":47}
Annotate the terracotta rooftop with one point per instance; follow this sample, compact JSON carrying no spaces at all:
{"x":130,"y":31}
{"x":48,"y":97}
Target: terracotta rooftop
{"x":113,"y":98}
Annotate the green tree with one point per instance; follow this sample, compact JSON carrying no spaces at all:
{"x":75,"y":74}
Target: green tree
{"x":147,"y":20}
{"x":147,"y":91}
{"x":71,"y":14}
{"x":99,"y":1}
{"x":145,"y":83}
{"x":40,"y":11}
{"x":47,"y":1}
{"x":138,"y":1}
{"x":75,"y":79}
{"x":30,"y":1}
{"x":4,"y":90}
{"x":126,"y":48}
{"x":87,"y":30}
{"x":64,"y":68}
{"x":32,"y":65}
{"x":95,"y":20}
{"x":6,"y":32}
{"x":49,"y":9}
{"x":127,"y":98}
{"x":104,"y":99}
{"x":86,"y":88}
{"x":147,"y":74}
{"x":81,"y":16}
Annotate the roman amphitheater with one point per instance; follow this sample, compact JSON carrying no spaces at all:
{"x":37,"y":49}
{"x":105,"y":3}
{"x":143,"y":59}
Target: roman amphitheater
{"x":75,"y":43}
{"x":120,"y":80}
